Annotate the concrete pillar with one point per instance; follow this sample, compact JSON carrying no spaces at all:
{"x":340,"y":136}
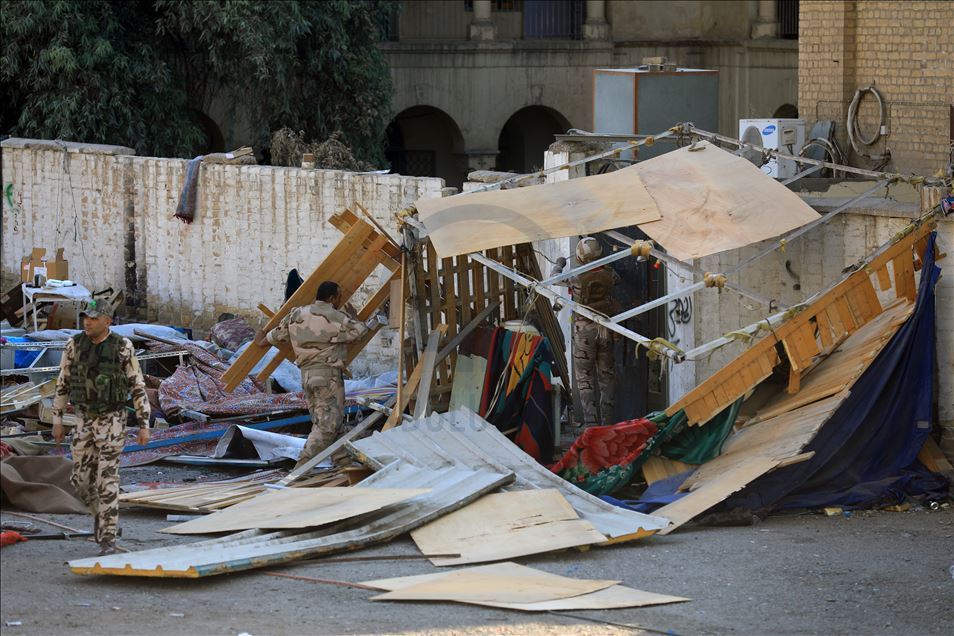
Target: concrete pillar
{"x":596,"y":27}
{"x":766,"y":25}
{"x":482,"y":27}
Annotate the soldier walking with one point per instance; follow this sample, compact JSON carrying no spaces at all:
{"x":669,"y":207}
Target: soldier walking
{"x":593,"y":358}
{"x":97,"y":373}
{"x":319,"y":335}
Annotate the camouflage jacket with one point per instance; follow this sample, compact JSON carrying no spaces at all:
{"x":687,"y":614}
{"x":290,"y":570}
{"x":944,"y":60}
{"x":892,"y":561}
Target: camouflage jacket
{"x":129,"y":366}
{"x":319,"y":335}
{"x":595,"y":290}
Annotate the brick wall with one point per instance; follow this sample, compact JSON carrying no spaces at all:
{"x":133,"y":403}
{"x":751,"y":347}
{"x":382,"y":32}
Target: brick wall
{"x":902,"y":47}
{"x":113,"y":214}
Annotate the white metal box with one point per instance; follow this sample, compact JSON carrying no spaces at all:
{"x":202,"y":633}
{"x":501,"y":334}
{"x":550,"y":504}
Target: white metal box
{"x":787,"y":135}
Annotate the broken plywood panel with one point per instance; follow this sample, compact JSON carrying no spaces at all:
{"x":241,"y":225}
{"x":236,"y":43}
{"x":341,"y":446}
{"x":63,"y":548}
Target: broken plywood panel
{"x":497,"y":583}
{"x":296,"y":508}
{"x":451,"y":488}
{"x":613,"y":597}
{"x":715,"y":490}
{"x":463,"y":438}
{"x":506,"y":525}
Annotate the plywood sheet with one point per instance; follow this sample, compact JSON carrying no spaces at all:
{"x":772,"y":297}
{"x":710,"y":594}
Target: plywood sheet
{"x":715,"y":490}
{"x":613,"y":597}
{"x":711,"y":201}
{"x":504,"y":526}
{"x":498,"y":583}
{"x":694,"y":203}
{"x":297,"y":508}
{"x":467,"y":223}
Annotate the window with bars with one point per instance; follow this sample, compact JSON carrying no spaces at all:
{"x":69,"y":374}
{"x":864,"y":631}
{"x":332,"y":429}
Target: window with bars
{"x":787,"y":19}
{"x":496,"y":5}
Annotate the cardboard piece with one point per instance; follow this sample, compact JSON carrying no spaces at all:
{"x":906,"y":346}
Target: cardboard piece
{"x":56,"y":268}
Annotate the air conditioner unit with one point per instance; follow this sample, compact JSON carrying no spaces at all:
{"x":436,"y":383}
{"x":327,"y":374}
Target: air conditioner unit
{"x":787,"y":135}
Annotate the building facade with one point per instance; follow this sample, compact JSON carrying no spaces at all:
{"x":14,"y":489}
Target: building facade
{"x":485,"y":84}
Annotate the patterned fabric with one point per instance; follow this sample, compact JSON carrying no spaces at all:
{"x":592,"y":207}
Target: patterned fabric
{"x":319,"y":335}
{"x":593,"y":370}
{"x":324,"y":392}
{"x":603,"y":458}
{"x":595,"y":289}
{"x":199,"y":387}
{"x":231,"y":334}
{"x":517,"y":388}
{"x":129,"y":367}
{"x":97,"y":444}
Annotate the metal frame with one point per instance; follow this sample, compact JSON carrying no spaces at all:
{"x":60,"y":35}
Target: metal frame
{"x":544,"y":287}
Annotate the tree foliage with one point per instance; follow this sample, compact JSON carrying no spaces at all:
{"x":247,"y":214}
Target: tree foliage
{"x":137,"y":73}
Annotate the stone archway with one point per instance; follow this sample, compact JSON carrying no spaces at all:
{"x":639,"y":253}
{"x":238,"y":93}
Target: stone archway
{"x":526,"y":136}
{"x":423,"y":141}
{"x":786,"y":111}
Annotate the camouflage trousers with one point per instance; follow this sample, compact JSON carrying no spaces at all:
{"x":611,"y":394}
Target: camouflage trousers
{"x":97,"y":443}
{"x":324,"y":392}
{"x":593,"y":370}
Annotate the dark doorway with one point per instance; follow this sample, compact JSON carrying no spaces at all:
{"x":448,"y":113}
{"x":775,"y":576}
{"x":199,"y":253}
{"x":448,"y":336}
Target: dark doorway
{"x":424,"y":141}
{"x":526,"y":136}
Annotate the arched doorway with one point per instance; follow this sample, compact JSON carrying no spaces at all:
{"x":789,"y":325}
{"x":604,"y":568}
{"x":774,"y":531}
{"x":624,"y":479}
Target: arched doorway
{"x":786,"y":111}
{"x":424,"y":141}
{"x":526,"y":136}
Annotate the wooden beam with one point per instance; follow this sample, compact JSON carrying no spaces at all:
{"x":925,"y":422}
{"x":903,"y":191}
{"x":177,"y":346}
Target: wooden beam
{"x":427,"y":371}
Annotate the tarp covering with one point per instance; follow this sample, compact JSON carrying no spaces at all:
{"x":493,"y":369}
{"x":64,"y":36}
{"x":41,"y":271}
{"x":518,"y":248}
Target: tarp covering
{"x":693,"y":202}
{"x":866,"y":452}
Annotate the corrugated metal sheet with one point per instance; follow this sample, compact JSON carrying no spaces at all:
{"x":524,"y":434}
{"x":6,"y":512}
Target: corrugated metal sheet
{"x":451,"y":488}
{"x":462,"y":438}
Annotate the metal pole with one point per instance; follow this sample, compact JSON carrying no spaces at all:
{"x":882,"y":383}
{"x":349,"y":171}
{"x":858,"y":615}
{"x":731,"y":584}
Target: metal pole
{"x":563,"y":166}
{"x":662,"y":300}
{"x":810,"y":226}
{"x":775,"y":319}
{"x":704,"y":134}
{"x":582,"y":310}
{"x":671,"y":260}
{"x":606,"y":260}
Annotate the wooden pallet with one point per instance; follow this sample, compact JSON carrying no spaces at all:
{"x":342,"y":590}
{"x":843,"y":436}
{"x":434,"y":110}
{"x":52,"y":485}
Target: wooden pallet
{"x":814,"y":332}
{"x":359,"y":253}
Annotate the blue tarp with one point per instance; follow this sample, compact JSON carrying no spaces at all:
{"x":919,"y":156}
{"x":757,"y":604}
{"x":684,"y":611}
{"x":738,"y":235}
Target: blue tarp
{"x":866,"y":453}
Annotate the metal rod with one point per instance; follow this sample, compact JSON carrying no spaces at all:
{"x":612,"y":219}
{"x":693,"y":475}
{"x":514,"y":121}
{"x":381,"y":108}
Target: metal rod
{"x":564,"y":166}
{"x":775,"y":319}
{"x":582,"y":310}
{"x":803,"y":173}
{"x":807,"y":228}
{"x":704,"y":134}
{"x":606,"y":260}
{"x":672,"y":260}
{"x":662,"y":300}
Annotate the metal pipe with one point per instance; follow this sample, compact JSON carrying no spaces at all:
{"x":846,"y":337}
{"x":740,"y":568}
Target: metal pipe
{"x":563,"y":166}
{"x":606,"y":260}
{"x":658,"y":302}
{"x":808,"y":227}
{"x":582,"y":310}
{"x":704,"y":134}
{"x":672,"y":260}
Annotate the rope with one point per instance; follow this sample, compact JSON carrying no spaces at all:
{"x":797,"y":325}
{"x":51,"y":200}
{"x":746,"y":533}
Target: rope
{"x":714,"y":280}
{"x":642,"y":249}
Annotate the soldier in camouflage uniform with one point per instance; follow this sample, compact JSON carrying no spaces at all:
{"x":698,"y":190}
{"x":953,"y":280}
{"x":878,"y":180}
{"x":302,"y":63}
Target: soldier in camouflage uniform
{"x":593,"y":360}
{"x":319,"y":335}
{"x":97,"y":373}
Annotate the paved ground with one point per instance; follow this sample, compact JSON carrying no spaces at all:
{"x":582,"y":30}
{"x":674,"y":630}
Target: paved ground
{"x":871,"y":573}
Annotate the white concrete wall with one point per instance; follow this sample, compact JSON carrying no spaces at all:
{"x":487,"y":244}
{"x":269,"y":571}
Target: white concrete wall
{"x":253,"y":224}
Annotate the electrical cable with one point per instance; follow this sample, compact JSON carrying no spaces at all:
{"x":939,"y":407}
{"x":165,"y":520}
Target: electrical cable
{"x":855,"y":137}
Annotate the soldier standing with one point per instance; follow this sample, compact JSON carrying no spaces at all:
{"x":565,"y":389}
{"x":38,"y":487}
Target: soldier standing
{"x":593,"y":358}
{"x":319,"y":334}
{"x":98,"y":371}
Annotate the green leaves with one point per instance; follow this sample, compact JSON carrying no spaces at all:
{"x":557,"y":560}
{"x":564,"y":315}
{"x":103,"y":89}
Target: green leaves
{"x":135,"y":73}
